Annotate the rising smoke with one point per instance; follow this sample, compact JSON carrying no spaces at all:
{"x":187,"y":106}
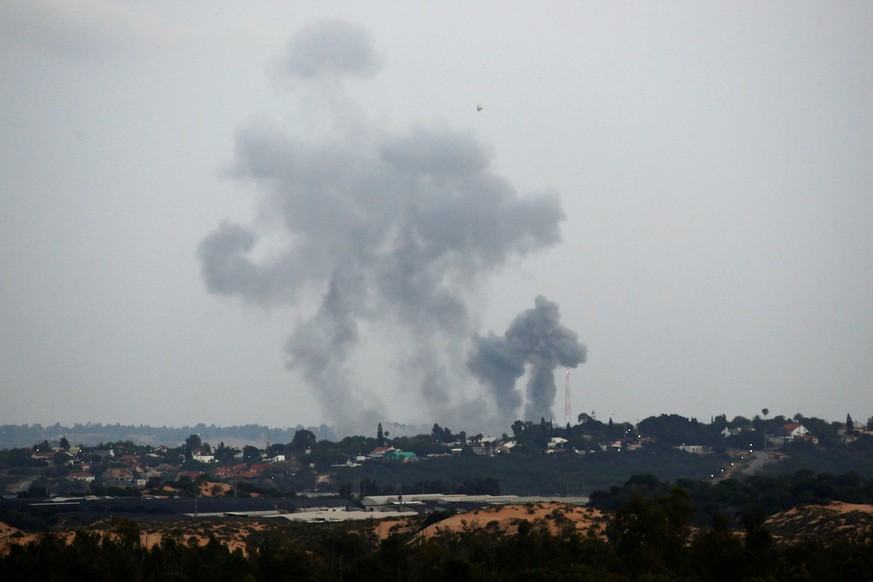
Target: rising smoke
{"x":387,"y":227}
{"x":535,"y":337}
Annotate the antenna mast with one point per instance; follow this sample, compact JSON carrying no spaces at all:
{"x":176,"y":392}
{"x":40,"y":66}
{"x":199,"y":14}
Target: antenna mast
{"x":567,"y":413}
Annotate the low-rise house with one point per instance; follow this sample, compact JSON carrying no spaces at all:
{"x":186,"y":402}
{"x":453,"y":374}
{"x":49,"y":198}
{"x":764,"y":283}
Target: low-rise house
{"x":116,"y":473}
{"x":118,"y":477}
{"x":556,"y":442}
{"x":81,"y":476}
{"x":189,"y":474}
{"x":379,"y":452}
{"x":402,"y":456}
{"x":503,"y":448}
{"x":695,"y":449}
{"x":232,"y":470}
{"x":202,"y":457}
{"x":241,"y":471}
{"x":46,"y":456}
{"x":793,"y":431}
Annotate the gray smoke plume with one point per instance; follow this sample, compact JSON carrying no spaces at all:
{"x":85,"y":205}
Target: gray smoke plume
{"x":394,"y":229}
{"x":535,"y":337}
{"x":330,"y":47}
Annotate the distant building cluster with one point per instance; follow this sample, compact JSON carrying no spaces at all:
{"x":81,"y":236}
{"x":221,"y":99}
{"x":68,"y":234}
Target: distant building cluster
{"x":309,"y":465}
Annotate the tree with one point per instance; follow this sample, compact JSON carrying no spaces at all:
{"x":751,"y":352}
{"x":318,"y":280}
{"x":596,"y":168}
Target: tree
{"x":741,"y":422}
{"x":191,"y":443}
{"x":759,"y":541}
{"x":275,"y":449}
{"x":441,"y":435}
{"x":718,"y":554}
{"x":380,"y":436}
{"x":224,"y":454}
{"x":251,"y":454}
{"x":303,"y":439}
{"x":650,"y":536}
{"x":65,"y":444}
{"x":850,"y":426}
{"x":368,"y":487}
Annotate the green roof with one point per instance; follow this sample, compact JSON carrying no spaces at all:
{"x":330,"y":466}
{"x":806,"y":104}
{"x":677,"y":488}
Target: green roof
{"x":399,"y":455}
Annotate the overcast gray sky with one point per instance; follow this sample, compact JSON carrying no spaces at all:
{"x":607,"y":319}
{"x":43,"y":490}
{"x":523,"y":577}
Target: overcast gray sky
{"x":270,"y":213}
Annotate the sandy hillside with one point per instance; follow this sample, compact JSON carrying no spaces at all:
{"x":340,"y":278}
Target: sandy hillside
{"x":557,"y":517}
{"x":231,"y":533}
{"x":834,"y":519}
{"x":10,"y":535}
{"x":210,"y":489}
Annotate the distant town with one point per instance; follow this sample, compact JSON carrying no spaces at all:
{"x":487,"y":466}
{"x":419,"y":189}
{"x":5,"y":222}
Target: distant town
{"x":533,"y":458}
{"x":670,"y":497}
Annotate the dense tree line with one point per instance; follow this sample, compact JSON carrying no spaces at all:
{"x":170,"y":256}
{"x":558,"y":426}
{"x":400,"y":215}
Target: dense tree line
{"x":838,"y":459}
{"x":734,"y":498}
{"x":14,"y":435}
{"x":534,"y":474}
{"x":649,"y":539}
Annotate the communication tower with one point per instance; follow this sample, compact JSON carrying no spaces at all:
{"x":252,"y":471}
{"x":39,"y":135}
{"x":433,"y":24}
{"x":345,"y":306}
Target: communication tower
{"x":567,"y":407}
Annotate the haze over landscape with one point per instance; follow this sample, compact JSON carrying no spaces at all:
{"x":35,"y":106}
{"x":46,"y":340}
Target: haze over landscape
{"x":297,"y":214}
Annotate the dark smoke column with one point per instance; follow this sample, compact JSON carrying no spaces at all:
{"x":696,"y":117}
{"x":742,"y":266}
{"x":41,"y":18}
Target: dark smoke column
{"x":373,"y":234}
{"x":536,"y":337}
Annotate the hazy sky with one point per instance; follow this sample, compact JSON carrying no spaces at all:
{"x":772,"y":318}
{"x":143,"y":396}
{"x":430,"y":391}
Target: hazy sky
{"x":287,"y":213}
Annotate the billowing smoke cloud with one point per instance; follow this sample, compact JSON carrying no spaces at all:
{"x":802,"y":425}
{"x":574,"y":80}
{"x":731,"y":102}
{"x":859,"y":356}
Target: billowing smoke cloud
{"x":388,"y":228}
{"x":536,"y":337}
{"x":331,"y":48}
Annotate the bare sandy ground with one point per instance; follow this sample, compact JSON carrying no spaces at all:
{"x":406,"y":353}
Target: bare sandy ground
{"x":208,"y":489}
{"x":835,"y":519}
{"x":232,"y":534}
{"x":854,"y":521}
{"x":556,"y":517}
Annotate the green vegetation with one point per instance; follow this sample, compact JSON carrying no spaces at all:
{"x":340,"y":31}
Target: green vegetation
{"x":828,"y":459}
{"x":535,"y":474}
{"x":649,"y":539}
{"x":734,"y":498}
{"x":539,"y":458}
